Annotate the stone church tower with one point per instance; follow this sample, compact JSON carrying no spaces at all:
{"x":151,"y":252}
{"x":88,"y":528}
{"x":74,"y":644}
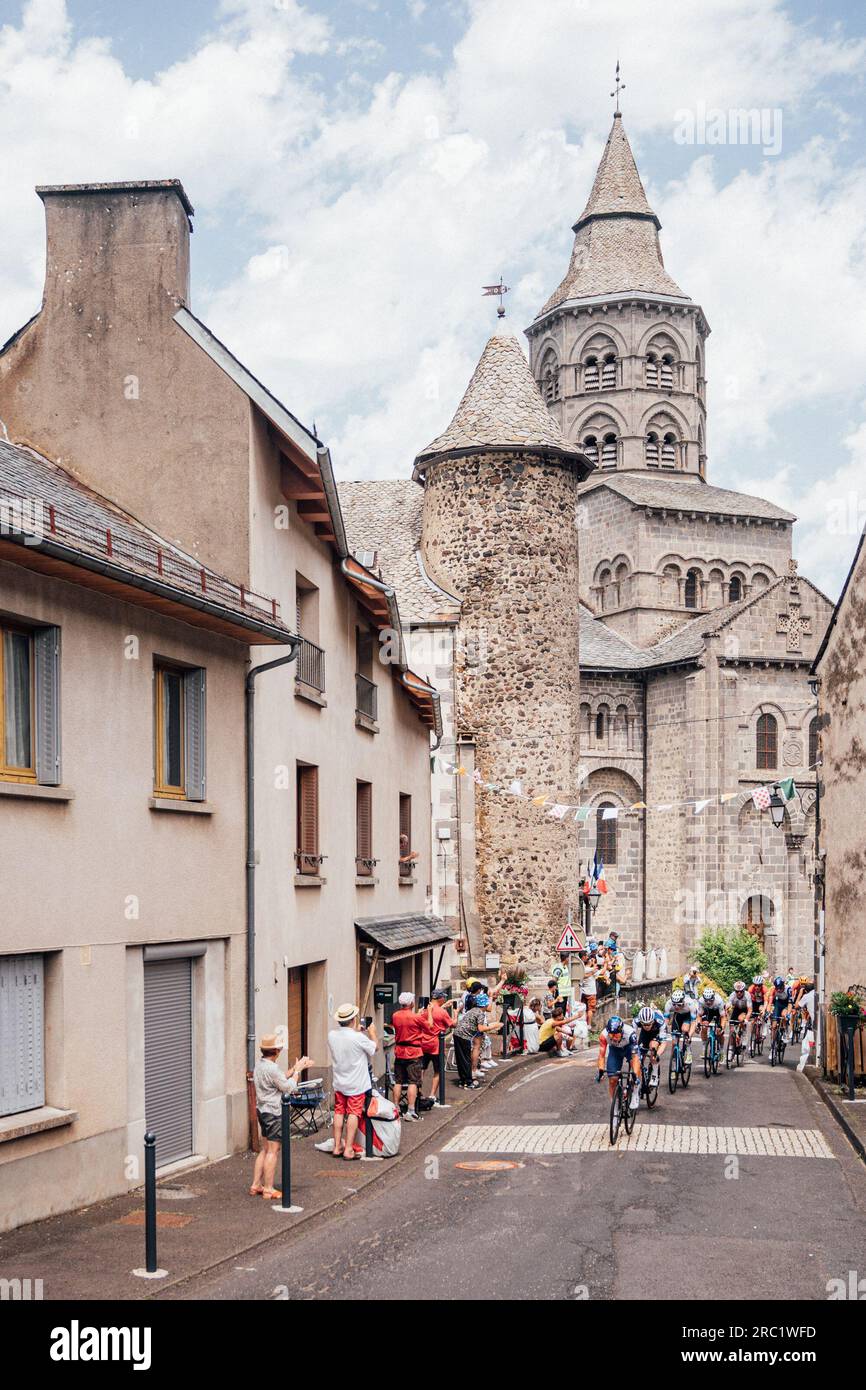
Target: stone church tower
{"x":498,"y":530}
{"x":618,"y":349}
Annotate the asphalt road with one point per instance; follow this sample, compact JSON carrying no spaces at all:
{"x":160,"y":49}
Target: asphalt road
{"x":676,"y":1214}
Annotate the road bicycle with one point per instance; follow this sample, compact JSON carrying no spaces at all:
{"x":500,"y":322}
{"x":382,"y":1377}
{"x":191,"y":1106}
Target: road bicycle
{"x":778,"y":1042}
{"x":679,"y":1070}
{"x":796,"y":1026}
{"x":621,"y":1111}
{"x":756,"y":1036}
{"x":711,"y":1051}
{"x":650,"y":1077}
{"x":735,"y":1048}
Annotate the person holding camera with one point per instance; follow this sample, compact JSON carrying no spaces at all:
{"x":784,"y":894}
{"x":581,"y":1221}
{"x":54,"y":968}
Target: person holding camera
{"x":409,"y":1052}
{"x":352,"y":1046}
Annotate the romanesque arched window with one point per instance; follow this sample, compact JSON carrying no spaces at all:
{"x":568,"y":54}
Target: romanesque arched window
{"x":666,"y":372}
{"x":691,"y":589}
{"x":603,"y":583}
{"x":759,"y":581}
{"x":652,"y":370}
{"x":735,"y":589}
{"x":605,"y":834}
{"x":590,"y":447}
{"x":591,"y":375}
{"x":601,"y":723}
{"x":550,"y":378}
{"x":608,"y":451}
{"x":608,"y":372}
{"x":652,"y":452}
{"x":669,"y":451}
{"x":766,"y":743}
{"x":813,"y":743}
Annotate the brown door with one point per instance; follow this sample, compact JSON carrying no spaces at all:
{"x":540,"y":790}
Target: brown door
{"x":758,"y":916}
{"x":297,"y":1013}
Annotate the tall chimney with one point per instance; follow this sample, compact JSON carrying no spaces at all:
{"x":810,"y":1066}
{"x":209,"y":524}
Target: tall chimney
{"x":115,"y":248}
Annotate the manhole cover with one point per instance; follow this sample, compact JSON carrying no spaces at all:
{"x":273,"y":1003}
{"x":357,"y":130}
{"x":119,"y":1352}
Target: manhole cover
{"x":489,"y":1165}
{"x":165,"y":1220}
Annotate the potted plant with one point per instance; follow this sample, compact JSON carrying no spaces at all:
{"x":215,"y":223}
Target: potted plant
{"x":516,"y":986}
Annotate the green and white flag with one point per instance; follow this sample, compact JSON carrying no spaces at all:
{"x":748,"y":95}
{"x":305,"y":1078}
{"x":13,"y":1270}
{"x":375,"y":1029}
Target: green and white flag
{"x":787,"y":788}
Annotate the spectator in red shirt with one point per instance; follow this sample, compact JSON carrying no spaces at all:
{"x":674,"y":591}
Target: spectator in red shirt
{"x":438,"y":1019}
{"x":408,"y":1053}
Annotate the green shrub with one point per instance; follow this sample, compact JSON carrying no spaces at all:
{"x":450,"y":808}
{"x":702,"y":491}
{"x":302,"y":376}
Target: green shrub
{"x":729,"y":954}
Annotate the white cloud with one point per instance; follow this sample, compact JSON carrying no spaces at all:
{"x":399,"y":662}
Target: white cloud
{"x":374,"y":215}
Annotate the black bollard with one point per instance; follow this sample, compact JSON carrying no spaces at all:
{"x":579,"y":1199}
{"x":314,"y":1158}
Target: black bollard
{"x":286,"y":1146}
{"x":441,"y":1066}
{"x":150,"y":1261}
{"x":368,"y":1127}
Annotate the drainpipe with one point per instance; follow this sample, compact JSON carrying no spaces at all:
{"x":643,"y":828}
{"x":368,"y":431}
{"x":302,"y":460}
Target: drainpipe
{"x":250,"y":695}
{"x":644,"y":827}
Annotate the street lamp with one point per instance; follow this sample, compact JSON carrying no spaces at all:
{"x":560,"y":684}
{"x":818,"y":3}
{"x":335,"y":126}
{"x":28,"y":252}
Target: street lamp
{"x":593,"y":897}
{"x":777,"y":808}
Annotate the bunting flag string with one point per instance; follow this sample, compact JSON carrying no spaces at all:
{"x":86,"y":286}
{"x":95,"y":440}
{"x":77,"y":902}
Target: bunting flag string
{"x":559,"y":810}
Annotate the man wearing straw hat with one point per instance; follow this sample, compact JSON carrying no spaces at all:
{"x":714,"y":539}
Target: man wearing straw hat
{"x":352,"y":1048}
{"x":271,"y":1084}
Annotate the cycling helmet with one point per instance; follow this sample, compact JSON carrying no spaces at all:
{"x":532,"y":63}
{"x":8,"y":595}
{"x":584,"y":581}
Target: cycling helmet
{"x":757,"y":979}
{"x":614,"y":1024}
{"x":678,"y":996}
{"x":709,"y":995}
{"x":739,"y":986}
{"x":778,"y":982}
{"x":646,"y":1015}
{"x":481,"y":1001}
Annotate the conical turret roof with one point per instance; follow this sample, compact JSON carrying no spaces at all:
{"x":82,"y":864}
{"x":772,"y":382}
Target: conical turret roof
{"x":616,"y":242}
{"x":502,"y":408}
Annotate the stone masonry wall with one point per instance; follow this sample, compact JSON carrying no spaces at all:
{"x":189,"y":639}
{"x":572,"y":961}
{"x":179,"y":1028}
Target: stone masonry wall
{"x":501,"y":532}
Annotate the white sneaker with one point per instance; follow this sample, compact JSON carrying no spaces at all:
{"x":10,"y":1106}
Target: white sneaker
{"x":326,"y":1146}
{"x":485,"y":1066}
{"x":478,"y":1076}
{"x":491,"y":1062}
{"x":410,"y":1115}
{"x":635,"y":1100}
{"x":563,"y":1052}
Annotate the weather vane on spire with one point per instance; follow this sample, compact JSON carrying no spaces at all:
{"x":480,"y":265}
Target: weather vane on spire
{"x":620,"y":87}
{"x":500,"y":290}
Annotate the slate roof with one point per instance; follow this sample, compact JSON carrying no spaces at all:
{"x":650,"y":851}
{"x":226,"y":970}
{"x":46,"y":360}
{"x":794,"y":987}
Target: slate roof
{"x":601,"y":647}
{"x":383,"y":524}
{"x":686,"y":493}
{"x":616,"y":244}
{"x":89,"y":528}
{"x":501,"y":407}
{"x":404,"y":934}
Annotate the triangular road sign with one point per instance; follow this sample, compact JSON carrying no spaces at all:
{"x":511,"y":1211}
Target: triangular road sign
{"x":569,"y":942}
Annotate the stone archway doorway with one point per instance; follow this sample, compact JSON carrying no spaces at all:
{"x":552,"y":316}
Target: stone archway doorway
{"x":758,"y":916}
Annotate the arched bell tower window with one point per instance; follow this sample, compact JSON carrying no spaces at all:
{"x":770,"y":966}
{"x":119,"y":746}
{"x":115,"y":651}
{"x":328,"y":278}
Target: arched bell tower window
{"x":550,"y":379}
{"x":652,"y":369}
{"x":669,"y":451}
{"x":652,"y":452}
{"x":735,"y":589}
{"x":608,"y":372}
{"x":590,"y":448}
{"x":666,"y":372}
{"x":691,"y":589}
{"x":591,"y":377}
{"x":608,"y":451}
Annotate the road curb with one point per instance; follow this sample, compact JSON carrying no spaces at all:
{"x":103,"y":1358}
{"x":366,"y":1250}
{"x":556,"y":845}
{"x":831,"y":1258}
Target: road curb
{"x":820,"y":1086}
{"x":380,"y":1175}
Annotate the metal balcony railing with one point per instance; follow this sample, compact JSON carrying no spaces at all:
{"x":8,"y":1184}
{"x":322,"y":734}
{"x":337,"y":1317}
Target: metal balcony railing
{"x":308,"y":863}
{"x":366,"y":696}
{"x":364,"y":867}
{"x":310,"y":666}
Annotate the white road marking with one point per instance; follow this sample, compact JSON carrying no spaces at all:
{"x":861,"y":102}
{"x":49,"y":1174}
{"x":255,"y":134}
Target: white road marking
{"x":749,"y":1140}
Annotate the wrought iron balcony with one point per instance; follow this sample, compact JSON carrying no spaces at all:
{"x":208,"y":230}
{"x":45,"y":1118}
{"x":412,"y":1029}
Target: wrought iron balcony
{"x":310,"y":666}
{"x":365,"y":867}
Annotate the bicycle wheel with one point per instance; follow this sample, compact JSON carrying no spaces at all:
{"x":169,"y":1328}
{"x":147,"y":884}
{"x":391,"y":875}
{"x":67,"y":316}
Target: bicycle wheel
{"x":740,"y":1050}
{"x":717,"y":1057}
{"x":628,"y":1113}
{"x":686,"y":1073}
{"x":773,"y":1051}
{"x":673,"y":1075}
{"x":729,"y":1054}
{"x":616,"y":1113}
{"x":708,"y":1057}
{"x":651,"y":1090}
{"x":761,"y":1041}
{"x":753,"y":1044}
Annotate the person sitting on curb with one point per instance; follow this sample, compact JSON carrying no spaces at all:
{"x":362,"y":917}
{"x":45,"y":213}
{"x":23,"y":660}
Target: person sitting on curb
{"x":552,"y":1036}
{"x":352,"y":1046}
{"x":271,"y":1085}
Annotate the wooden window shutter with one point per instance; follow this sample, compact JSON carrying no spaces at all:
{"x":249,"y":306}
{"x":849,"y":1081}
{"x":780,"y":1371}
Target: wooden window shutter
{"x":194,"y":733}
{"x":308,"y":819}
{"x":46,"y":647}
{"x":364,"y":825}
{"x":406,"y":818}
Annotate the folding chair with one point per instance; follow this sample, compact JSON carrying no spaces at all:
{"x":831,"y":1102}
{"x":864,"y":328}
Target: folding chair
{"x":304,"y":1106}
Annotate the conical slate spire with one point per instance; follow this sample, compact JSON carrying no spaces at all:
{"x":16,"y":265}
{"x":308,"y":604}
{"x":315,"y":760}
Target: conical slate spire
{"x":616,"y":243}
{"x":501,"y":408}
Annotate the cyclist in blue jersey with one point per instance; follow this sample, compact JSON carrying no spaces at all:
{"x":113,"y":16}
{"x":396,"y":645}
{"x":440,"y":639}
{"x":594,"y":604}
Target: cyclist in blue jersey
{"x":652,"y":1034}
{"x":681,"y":1011}
{"x":618,"y":1044}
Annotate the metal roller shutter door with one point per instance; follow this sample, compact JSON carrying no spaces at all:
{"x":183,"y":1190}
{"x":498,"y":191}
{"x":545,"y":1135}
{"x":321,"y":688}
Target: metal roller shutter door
{"x":168,"y":1057}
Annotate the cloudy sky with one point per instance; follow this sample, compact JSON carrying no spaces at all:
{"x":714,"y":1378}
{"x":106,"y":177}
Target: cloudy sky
{"x":360,"y":168}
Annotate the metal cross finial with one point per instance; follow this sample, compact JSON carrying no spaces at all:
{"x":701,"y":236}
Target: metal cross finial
{"x":499,"y":290}
{"x":620,"y":87}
